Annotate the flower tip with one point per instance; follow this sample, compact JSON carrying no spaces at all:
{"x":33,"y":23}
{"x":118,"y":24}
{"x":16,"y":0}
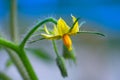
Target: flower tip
{"x":71,"y":15}
{"x":60,"y":18}
{"x":83,"y":22}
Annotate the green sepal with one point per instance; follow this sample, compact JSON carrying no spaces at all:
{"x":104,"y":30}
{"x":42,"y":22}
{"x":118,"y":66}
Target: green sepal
{"x":91,"y":32}
{"x":32,"y":41}
{"x":74,"y":24}
{"x":61,"y":65}
{"x":69,"y":54}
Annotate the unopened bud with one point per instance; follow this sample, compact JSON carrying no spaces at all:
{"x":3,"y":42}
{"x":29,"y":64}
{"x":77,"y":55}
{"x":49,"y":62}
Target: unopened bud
{"x":61,"y":64}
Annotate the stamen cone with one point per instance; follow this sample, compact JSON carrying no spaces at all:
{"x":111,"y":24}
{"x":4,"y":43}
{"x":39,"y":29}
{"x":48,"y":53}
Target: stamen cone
{"x":67,"y":41}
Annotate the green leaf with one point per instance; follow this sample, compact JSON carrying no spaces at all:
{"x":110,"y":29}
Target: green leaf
{"x":91,"y":32}
{"x":3,"y":76}
{"x":41,"y":54}
{"x":9,"y":63}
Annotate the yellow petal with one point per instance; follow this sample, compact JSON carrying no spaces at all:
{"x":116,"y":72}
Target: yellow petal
{"x":46,"y":30}
{"x":52,"y":37}
{"x":75,"y":28}
{"x":62,"y":27}
{"x":67,"y":42}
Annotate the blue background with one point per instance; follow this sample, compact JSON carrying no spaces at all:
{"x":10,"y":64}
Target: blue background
{"x":104,"y":12}
{"x":98,"y":58}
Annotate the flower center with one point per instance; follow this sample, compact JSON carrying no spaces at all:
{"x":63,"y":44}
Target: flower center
{"x":67,"y":41}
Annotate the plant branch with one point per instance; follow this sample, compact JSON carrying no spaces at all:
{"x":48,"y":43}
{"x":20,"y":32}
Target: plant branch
{"x":34,"y":29}
{"x":22,"y":55}
{"x":13,"y":20}
{"x":3,"y":76}
{"x":55,"y":48}
{"x":14,"y":37}
{"x":18,"y":63}
{"x":27,"y":64}
{"x":20,"y":49}
{"x":8,"y":44}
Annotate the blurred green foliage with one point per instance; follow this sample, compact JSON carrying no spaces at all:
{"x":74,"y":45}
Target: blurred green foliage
{"x":9,"y":62}
{"x":3,"y":76}
{"x":41,"y":54}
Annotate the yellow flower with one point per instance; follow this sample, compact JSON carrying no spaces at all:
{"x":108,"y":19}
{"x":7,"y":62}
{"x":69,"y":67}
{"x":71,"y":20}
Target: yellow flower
{"x":62,"y":31}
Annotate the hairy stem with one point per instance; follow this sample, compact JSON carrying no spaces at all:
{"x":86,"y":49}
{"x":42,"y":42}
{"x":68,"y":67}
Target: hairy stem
{"x":20,"y":49}
{"x":8,"y":44}
{"x":14,"y":37}
{"x":18,"y":63}
{"x":22,"y":55}
{"x":27,"y":64}
{"x":55,"y":48}
{"x":4,"y":76}
{"x":34,"y":29}
{"x":13,"y":20}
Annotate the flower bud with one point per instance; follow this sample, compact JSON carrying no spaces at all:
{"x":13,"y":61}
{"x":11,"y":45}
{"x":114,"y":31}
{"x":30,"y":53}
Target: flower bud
{"x":61,"y":64}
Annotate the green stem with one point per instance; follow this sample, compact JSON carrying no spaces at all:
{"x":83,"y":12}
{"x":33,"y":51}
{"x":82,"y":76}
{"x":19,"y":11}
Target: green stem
{"x":27,"y":64}
{"x":22,"y":56}
{"x":34,"y":29}
{"x":8,"y":44}
{"x":13,"y":20}
{"x":60,"y":61}
{"x":18,"y":63}
{"x":20,"y":49}
{"x":4,"y":76}
{"x":55,"y":48}
{"x":14,"y":37}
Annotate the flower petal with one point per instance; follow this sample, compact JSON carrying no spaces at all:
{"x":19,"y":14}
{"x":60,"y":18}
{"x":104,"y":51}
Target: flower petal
{"x":62,"y":27}
{"x":75,"y":28}
{"x":52,"y":37}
